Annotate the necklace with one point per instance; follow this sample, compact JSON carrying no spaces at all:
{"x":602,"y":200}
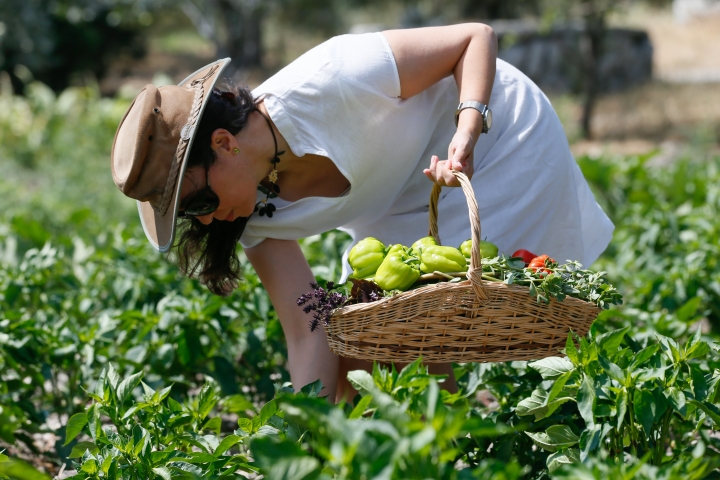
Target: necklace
{"x":264,"y":206}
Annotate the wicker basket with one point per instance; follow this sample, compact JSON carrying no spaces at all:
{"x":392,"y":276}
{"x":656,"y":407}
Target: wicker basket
{"x":469,"y":321}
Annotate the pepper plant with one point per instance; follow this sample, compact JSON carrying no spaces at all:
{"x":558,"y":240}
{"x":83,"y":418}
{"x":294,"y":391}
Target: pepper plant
{"x":652,"y":399}
{"x":155,"y":437}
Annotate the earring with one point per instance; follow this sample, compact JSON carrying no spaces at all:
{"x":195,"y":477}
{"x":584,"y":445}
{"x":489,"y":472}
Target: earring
{"x":236,"y":151}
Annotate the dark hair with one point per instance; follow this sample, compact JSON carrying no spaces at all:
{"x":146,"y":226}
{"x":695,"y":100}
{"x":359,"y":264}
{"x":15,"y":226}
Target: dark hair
{"x":209,"y":251}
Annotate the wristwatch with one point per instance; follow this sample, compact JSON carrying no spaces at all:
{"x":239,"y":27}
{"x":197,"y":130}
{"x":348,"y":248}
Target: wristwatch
{"x":480,"y":107}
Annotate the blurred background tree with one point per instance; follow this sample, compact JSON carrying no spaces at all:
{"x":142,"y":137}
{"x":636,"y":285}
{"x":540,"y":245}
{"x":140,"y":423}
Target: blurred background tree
{"x":56,"y":41}
{"x":592,"y":15}
{"x":64,"y":42}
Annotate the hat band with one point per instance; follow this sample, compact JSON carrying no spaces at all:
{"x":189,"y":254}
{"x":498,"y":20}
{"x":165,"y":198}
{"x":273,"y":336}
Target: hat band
{"x":186,"y":135}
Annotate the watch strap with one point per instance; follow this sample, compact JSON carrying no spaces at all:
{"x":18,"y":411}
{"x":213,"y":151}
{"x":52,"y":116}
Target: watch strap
{"x":480,"y":107}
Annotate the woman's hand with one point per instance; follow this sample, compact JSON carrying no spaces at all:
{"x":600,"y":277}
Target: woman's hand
{"x":460,"y":159}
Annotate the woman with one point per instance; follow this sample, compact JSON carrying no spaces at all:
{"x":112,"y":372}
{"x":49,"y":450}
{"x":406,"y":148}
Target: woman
{"x":347,"y":135}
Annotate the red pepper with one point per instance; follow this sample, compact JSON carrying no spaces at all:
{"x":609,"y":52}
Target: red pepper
{"x":526,"y":255}
{"x":539,"y":263}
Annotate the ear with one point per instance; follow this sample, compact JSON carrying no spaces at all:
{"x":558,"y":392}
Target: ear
{"x":222,"y":142}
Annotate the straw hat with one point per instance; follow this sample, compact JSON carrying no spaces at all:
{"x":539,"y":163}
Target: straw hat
{"x":151,"y":148}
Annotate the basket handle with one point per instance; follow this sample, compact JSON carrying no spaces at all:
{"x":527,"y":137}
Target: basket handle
{"x":474,"y":273}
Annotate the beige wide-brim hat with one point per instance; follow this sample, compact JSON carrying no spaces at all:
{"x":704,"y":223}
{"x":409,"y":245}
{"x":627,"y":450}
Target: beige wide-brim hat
{"x":151,"y":148}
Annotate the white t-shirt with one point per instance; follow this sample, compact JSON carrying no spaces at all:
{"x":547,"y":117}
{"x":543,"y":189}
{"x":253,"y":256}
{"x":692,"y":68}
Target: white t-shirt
{"x":341,"y":100}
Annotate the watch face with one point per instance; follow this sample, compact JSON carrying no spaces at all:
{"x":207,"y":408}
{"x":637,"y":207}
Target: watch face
{"x":488,"y":118}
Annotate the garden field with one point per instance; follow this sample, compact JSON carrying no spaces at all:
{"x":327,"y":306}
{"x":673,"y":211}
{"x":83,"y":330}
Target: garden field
{"x":113,"y":366}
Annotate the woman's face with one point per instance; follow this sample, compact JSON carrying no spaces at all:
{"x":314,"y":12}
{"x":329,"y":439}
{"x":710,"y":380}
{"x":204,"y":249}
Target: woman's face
{"x":231,"y":178}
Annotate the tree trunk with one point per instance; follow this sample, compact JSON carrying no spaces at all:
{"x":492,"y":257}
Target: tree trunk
{"x":234,"y":26}
{"x":242,"y":23}
{"x":594,"y":34}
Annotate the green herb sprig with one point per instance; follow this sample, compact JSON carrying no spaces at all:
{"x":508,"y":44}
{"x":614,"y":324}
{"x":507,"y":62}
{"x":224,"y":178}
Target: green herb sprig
{"x":560,"y":281}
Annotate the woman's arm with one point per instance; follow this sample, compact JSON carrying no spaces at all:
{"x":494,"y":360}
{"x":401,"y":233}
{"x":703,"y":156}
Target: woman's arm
{"x":426,"y":55}
{"x":286,"y":275}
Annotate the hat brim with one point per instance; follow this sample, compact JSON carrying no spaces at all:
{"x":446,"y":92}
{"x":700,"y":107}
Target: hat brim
{"x":160,"y":229}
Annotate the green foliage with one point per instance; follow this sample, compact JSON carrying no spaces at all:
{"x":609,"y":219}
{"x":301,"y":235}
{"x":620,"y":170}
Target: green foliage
{"x":648,"y":399}
{"x":403,"y":426}
{"x":16,"y":470}
{"x":153,"y":436}
{"x":666,"y":247}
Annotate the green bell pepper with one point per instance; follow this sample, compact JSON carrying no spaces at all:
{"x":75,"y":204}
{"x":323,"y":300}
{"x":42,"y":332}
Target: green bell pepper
{"x":398,"y":271}
{"x":422,"y":243}
{"x":487,"y":249}
{"x":442,"y":259}
{"x":366,"y":257}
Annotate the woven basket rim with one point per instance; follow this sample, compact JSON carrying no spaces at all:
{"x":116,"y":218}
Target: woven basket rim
{"x":367,"y":306}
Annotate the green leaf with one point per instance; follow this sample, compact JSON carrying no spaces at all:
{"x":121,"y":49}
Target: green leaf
{"x":18,"y":470}
{"x":590,"y":440}
{"x":695,"y":347}
{"x":246,"y":425}
{"x":538,"y":405}
{"x":644,"y":408}
{"x":643,"y":355}
{"x":647,"y":374}
{"x":283,"y":460}
{"x":661,"y":403}
{"x":555,"y":438}
{"x":558,"y":386}
{"x":360,"y":408}
{"x":174,"y":406}
{"x":552,"y":367}
{"x":711,"y":410}
{"x":586,"y":401}
{"x":116,"y":440}
{"x":131,"y":411}
{"x":227,"y":443}
{"x":612,"y":370}
{"x":200,"y":458}
{"x":90,"y":466}
{"x":94,"y":424}
{"x":712,"y":384}
{"x":113,"y":377}
{"x":571,"y":350}
{"x":237,"y":404}
{"x":79,"y":449}
{"x":563,"y":457}
{"x":127,"y":386}
{"x":162,"y":472}
{"x":137,"y":353}
{"x":74,"y":426}
{"x":361,"y":380}
{"x":670,"y":347}
{"x":141,"y":439}
{"x":161,"y":395}
{"x":148,"y":391}
{"x":621,"y":407}
{"x":688,"y":311}
{"x":312,"y":389}
{"x":214,"y":425}
{"x":267,"y":411}
{"x":182,"y":466}
{"x":207,"y":399}
{"x":610,"y":342}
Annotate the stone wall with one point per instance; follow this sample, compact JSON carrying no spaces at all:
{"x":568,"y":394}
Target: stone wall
{"x":555,"y":60}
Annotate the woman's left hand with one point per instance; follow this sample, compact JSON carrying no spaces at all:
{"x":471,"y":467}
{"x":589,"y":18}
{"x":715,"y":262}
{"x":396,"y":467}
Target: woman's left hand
{"x":460,"y":159}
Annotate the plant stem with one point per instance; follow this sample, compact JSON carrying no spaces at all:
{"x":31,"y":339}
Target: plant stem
{"x":633,"y":432}
{"x":491,"y":279}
